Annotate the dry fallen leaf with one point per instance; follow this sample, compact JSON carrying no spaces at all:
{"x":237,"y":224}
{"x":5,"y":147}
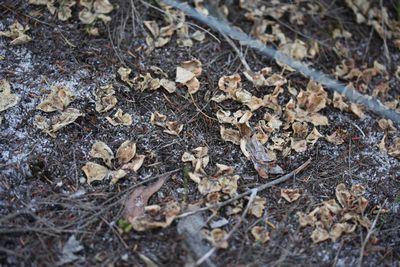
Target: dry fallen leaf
{"x":17,"y":34}
{"x":261,"y":158}
{"x":120,"y":118}
{"x":199,"y":159}
{"x":66,"y":117}
{"x":95,"y":10}
{"x":135,"y":164}
{"x":95,"y":172}
{"x":298,"y":145}
{"x":230,"y":135}
{"x":102,"y":151}
{"x":7,"y":99}
{"x":260,"y":234}
{"x":126,"y":152}
{"x":135,"y":205}
{"x":105,"y":99}
{"x":187,"y":74}
{"x":340,"y":228}
{"x":173,"y":128}
{"x":290,"y":195}
{"x":217,"y":237}
{"x":334,"y":218}
{"x":59,"y":98}
{"x":394,"y":150}
{"x":124,"y":74}
{"x":358,"y":110}
{"x":258,"y":206}
{"x":337,"y":137}
{"x":319,"y":234}
{"x":157,"y":216}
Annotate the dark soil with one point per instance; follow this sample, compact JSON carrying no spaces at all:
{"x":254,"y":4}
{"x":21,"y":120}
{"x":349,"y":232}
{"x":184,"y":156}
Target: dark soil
{"x":44,"y":198}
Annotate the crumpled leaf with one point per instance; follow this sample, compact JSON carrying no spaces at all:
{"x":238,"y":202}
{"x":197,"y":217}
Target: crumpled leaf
{"x":261,"y":158}
{"x":394,"y":150}
{"x":338,"y":102}
{"x":387,"y":125}
{"x":105,"y":99}
{"x":117,"y":175}
{"x":135,"y":205}
{"x":258,"y":206}
{"x":260,"y":234}
{"x":17,"y":34}
{"x":333,"y":219}
{"x":7,"y":99}
{"x":187,"y":75}
{"x":120,"y":118}
{"x":97,"y":10}
{"x":102,"y":7}
{"x":340,"y":228}
{"x":103,"y":151}
{"x":173,"y":128}
{"x":124,"y":75}
{"x":66,"y":117}
{"x":199,"y":159}
{"x":126,"y":152}
{"x":170,"y":127}
{"x":217,"y":237}
{"x":308,"y":219}
{"x":313,"y":137}
{"x":298,"y":145}
{"x":158,"y":119}
{"x":358,"y":110}
{"x":337,"y":137}
{"x":290,"y":195}
{"x":157,"y":216}
{"x":159,"y":36}
{"x":59,"y":98}
{"x":95,"y":172}
{"x":168,"y":85}
{"x":314,"y":98}
{"x":319,"y":234}
{"x":230,"y":135}
{"x":135,"y":164}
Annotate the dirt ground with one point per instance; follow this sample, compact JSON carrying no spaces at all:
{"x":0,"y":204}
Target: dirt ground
{"x":44,"y":196}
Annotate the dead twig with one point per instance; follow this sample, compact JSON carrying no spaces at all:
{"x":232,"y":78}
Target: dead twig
{"x":248,"y":192}
{"x":369,"y":234}
{"x":385,"y":46}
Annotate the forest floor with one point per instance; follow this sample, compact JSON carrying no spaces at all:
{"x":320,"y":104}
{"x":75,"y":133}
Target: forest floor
{"x":49,"y":213}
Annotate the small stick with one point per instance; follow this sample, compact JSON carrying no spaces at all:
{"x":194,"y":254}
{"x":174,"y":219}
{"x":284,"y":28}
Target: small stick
{"x":248,"y":192}
{"x":234,"y":229}
{"x":370,"y":232}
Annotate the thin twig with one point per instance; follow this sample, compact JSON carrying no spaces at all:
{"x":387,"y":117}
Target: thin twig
{"x":369,"y":234}
{"x":385,"y":46}
{"x":248,"y":192}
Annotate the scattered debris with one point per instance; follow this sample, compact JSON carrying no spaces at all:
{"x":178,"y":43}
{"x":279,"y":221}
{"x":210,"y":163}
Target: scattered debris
{"x":126,"y":157}
{"x":332,"y":219}
{"x":17,"y":33}
{"x":7,"y":99}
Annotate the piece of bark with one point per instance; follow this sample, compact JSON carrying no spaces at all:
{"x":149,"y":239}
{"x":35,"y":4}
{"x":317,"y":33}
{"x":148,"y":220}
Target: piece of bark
{"x":189,"y":227}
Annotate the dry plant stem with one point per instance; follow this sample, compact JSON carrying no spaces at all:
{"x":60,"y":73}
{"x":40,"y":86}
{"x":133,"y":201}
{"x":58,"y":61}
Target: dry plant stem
{"x":248,"y":192}
{"x":385,"y":46}
{"x":238,"y":52}
{"x":234,"y":229}
{"x":369,"y":234}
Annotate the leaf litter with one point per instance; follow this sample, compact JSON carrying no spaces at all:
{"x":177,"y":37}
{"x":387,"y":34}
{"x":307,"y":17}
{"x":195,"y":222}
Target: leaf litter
{"x":281,"y":130}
